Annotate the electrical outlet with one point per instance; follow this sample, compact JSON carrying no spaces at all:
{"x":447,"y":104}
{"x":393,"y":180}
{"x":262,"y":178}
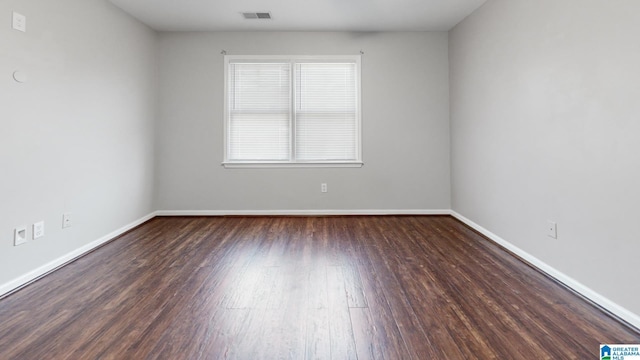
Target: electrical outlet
{"x":20,"y":235}
{"x":66,"y":220}
{"x":19,"y":22}
{"x":552,"y":230}
{"x":323,"y":187}
{"x":38,"y":230}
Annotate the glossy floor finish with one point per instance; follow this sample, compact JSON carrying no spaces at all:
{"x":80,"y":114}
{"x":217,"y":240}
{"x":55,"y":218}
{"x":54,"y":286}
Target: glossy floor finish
{"x":409,"y":287}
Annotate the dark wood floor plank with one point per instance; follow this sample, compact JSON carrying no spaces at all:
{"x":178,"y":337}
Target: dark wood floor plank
{"x":392,"y":287}
{"x":364,"y":333}
{"x":342,"y":339}
{"x":512,"y":284}
{"x":389,"y":332}
{"x":292,"y":314}
{"x":226,"y":329}
{"x":412,"y":330}
{"x":437,"y":296}
{"x":385,"y":333}
{"x":317,"y":335}
{"x":353,"y":287}
{"x":493,"y":311}
{"x":317,"y":287}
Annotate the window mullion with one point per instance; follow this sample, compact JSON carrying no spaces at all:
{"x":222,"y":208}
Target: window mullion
{"x":292,"y":119}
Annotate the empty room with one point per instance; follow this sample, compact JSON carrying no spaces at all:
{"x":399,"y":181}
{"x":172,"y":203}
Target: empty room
{"x":320,"y":179}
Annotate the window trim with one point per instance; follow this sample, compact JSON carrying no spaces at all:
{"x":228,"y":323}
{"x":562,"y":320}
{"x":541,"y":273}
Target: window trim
{"x":292,"y":163}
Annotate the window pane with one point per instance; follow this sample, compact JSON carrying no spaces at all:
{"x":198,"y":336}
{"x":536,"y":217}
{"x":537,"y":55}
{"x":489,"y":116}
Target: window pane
{"x":259,"y":111}
{"x":326,"y":108}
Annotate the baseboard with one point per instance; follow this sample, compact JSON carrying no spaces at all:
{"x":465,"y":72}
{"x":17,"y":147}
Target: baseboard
{"x":33,"y":275}
{"x":300,"y":212}
{"x":617,"y":310}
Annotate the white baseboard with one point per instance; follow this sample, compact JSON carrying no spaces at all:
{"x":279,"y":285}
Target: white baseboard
{"x":568,"y":281}
{"x":52,"y":265}
{"x":300,"y":212}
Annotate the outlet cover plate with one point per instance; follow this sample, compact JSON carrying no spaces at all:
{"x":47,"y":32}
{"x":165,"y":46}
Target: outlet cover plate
{"x":19,"y":22}
{"x":66,"y":220}
{"x":552,"y":229}
{"x":38,"y":230}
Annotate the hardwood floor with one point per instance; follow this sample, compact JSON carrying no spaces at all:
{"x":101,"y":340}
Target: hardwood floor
{"x":409,"y":287}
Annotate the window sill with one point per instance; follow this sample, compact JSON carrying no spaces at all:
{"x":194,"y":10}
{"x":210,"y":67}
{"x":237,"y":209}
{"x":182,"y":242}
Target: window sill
{"x":284,"y":165}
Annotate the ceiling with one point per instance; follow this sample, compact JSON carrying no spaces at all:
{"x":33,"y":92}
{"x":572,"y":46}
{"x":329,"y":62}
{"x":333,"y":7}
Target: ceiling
{"x":300,"y":15}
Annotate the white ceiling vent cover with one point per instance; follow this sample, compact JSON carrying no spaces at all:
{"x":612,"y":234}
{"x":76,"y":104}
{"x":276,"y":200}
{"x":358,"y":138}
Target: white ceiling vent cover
{"x":256,"y":15}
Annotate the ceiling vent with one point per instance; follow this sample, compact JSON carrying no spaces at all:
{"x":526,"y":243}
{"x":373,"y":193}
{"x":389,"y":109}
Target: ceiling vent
{"x":256,"y":15}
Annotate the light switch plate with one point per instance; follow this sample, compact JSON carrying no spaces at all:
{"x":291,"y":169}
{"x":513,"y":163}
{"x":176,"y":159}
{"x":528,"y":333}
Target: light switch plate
{"x":19,"y":22}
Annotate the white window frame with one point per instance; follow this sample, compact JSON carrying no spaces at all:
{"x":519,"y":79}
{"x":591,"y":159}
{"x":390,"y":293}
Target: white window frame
{"x":292,"y":162}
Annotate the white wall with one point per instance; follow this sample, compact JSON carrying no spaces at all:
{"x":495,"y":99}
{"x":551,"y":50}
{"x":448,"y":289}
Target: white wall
{"x":79,"y":135}
{"x":405,"y":125}
{"x":545,"y":126}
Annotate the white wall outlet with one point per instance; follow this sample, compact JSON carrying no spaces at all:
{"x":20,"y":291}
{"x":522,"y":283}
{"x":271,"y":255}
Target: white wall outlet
{"x":323,"y":187}
{"x":19,"y":22}
{"x":38,"y":230}
{"x":20,"y":235}
{"x":66,"y":220}
{"x":552,"y":230}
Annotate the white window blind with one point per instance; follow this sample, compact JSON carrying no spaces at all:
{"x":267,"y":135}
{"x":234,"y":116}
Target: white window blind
{"x":325,"y":111}
{"x":259,"y":111}
{"x":292,"y":111}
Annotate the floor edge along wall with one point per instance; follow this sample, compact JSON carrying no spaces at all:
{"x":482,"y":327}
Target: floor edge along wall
{"x":617,"y":310}
{"x":624,"y":314}
{"x":21,"y":281}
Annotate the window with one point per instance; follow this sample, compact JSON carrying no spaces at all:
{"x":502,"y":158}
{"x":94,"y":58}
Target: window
{"x":292,"y":111}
